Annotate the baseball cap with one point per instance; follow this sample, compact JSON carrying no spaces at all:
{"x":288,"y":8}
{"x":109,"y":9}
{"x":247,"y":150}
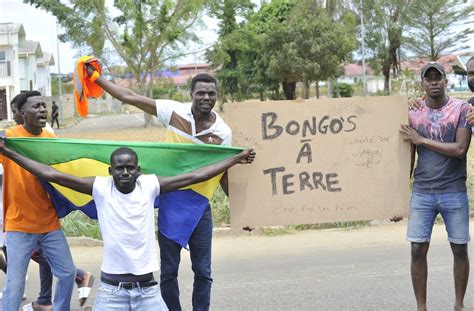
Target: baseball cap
{"x":434,"y":65}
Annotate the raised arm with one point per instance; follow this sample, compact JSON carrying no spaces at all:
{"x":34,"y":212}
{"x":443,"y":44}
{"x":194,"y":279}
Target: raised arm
{"x":125,"y":95}
{"x":168,"y":184}
{"x":83,"y":185}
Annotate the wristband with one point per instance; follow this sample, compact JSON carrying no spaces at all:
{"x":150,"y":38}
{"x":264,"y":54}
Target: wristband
{"x":94,"y":76}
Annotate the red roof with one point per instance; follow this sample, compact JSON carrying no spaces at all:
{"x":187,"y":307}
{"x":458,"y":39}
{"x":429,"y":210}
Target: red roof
{"x":355,"y":70}
{"x":193,"y":66}
{"x":415,"y":64}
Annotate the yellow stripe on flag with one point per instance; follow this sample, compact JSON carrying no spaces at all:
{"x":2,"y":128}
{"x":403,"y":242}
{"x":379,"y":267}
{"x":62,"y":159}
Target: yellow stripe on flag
{"x":81,"y":168}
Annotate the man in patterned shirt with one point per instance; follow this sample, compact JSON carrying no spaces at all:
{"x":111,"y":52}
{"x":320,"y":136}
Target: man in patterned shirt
{"x":440,"y":134}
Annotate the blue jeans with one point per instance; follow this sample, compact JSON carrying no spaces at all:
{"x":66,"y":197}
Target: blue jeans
{"x":453,"y":207}
{"x":56,"y":250}
{"x":117,"y":298}
{"x":46,"y":277}
{"x":200,"y":245}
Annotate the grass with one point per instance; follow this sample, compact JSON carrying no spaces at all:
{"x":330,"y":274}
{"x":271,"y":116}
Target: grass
{"x":78,"y":224}
{"x":470,"y":175}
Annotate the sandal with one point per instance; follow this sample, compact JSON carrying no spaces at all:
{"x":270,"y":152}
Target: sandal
{"x":84,"y":291}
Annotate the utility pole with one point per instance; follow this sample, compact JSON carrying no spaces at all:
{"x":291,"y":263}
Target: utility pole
{"x":59,"y":65}
{"x":362,"y":30}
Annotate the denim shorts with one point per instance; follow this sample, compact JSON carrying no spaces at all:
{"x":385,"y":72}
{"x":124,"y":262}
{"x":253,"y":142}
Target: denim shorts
{"x":453,"y":207}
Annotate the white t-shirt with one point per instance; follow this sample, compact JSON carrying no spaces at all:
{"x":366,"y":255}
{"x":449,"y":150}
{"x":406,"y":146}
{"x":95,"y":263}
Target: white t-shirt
{"x":49,"y":128}
{"x":179,"y":121}
{"x":127,"y":223}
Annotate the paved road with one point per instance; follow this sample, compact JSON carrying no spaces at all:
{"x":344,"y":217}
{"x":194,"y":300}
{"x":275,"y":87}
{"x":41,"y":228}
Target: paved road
{"x":107,"y":122}
{"x":362,"y":269}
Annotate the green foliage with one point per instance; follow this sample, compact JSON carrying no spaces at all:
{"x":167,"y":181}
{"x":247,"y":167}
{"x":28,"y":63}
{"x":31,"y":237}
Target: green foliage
{"x":227,"y":11}
{"x":276,"y":231}
{"x":66,"y":88}
{"x":220,"y":208}
{"x":343,"y":90}
{"x":145,"y":34}
{"x":311,"y":46}
{"x":82,"y":23}
{"x":433,"y":25}
{"x":78,"y":224}
{"x":340,"y":225}
{"x":385,"y":21}
{"x":163,"y":88}
{"x":227,"y":54}
{"x":285,"y":42}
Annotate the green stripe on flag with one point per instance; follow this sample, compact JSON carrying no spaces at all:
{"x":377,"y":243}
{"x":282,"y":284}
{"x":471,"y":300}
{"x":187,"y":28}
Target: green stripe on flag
{"x":165,"y":159}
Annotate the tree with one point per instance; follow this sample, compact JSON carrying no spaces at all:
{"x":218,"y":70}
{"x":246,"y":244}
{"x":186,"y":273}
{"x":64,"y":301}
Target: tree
{"x":311,"y":46}
{"x":432,"y":27}
{"x":145,"y":34}
{"x":336,"y":9}
{"x":385,"y":21}
{"x":248,"y":43}
{"x":226,"y":11}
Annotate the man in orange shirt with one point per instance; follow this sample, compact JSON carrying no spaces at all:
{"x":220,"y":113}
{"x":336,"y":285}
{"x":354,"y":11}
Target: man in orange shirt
{"x":30,"y":219}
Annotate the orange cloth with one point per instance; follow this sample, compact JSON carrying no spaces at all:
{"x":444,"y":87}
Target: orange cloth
{"x":26,"y":205}
{"x":85,"y":86}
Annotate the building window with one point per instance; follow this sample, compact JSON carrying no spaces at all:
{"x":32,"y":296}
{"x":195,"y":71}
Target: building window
{"x":3,"y":56}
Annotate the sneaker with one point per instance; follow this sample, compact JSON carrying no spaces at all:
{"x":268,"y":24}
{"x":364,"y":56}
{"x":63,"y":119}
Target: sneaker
{"x":34,"y":306}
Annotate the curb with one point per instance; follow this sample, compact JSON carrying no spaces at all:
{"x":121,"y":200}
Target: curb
{"x":216,"y":233}
{"x":84,"y":242}
{"x":222,"y":232}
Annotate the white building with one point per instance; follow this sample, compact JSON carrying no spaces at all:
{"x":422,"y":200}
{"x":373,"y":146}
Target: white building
{"x":23,"y":66}
{"x":353,"y":74}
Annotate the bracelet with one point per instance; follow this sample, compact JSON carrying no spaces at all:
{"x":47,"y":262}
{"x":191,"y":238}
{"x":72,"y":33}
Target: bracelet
{"x":94,"y":76}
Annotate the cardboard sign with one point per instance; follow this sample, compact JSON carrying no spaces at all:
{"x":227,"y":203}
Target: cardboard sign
{"x":319,"y":161}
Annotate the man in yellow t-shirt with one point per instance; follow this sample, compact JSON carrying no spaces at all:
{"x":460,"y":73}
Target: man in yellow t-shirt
{"x":29,"y":217}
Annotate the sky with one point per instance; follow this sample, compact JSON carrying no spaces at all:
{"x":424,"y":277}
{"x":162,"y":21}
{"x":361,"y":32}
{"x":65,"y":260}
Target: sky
{"x":41,"y":26}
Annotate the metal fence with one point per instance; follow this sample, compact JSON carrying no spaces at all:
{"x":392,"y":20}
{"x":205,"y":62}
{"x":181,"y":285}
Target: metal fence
{"x":108,"y":119}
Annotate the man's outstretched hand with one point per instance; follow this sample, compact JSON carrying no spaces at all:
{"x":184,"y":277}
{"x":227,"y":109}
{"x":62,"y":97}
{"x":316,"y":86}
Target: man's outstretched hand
{"x":414,"y":104}
{"x":247,"y":156}
{"x":411,"y":134}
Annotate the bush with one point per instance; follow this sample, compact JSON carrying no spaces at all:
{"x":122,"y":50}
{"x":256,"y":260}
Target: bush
{"x":220,"y":208}
{"x":343,"y":90}
{"x":163,"y":88}
{"x":78,"y":224}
